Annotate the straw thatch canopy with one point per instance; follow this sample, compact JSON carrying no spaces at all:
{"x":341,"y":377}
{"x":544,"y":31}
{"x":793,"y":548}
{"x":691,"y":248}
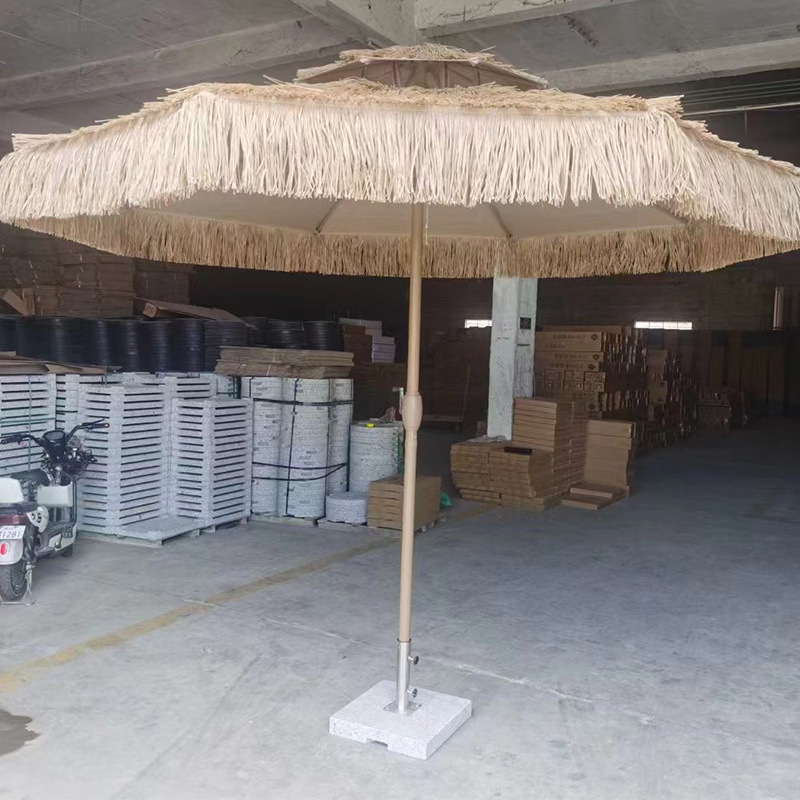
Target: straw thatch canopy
{"x":320,"y":178}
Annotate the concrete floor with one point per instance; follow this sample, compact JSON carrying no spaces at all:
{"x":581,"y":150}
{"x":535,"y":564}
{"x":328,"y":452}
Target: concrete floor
{"x":647,"y":651}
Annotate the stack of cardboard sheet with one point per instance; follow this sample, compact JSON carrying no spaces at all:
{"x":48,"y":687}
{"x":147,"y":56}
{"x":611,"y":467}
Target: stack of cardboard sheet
{"x":609,"y":452}
{"x":715,"y":409}
{"x":385,"y":502}
{"x":271,"y":362}
{"x":604,"y":366}
{"x":163,"y":281}
{"x":469,"y":464}
{"x":73,"y":301}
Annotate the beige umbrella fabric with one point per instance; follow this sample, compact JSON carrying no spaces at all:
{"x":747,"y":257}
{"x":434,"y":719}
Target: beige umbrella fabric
{"x":492,"y":173}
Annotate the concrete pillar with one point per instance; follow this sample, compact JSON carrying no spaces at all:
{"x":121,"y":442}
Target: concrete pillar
{"x":511,"y":357}
{"x":779,"y":309}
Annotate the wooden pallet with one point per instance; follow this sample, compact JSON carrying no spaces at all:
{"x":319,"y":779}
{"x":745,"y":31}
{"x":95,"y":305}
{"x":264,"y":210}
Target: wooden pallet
{"x":593,"y":497}
{"x":153,"y":533}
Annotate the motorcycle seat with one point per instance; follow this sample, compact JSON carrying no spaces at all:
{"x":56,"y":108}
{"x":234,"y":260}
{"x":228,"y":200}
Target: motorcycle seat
{"x":37,"y":476}
{"x":18,"y":508}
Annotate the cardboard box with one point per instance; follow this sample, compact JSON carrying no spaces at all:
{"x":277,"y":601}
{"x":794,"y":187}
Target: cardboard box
{"x":385,"y":501}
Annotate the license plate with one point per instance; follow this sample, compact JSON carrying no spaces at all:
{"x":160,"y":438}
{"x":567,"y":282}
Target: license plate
{"x":12,"y":531}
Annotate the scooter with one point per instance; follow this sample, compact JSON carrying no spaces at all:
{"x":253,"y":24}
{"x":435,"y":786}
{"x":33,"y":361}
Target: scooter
{"x":38,"y":507}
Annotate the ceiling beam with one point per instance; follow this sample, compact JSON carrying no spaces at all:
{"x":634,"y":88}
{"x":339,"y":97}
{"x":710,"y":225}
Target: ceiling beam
{"x":177,"y":65}
{"x":679,"y":67}
{"x":436,"y":18}
{"x":21,"y":122}
{"x":12,"y":122}
{"x":374,"y":22}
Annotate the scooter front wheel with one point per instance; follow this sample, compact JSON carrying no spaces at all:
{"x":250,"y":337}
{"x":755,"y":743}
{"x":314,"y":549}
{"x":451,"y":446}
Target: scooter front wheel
{"x":13,"y":581}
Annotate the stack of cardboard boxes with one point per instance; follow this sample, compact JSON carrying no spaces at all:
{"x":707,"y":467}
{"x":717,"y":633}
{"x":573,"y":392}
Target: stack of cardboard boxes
{"x":603,"y":366}
{"x":385,"y":502}
{"x":365,"y":340}
{"x":469,"y":464}
{"x":545,"y":457}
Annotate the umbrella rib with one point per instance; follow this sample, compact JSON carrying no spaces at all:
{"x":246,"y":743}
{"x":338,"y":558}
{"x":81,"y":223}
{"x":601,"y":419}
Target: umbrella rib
{"x":326,"y":216}
{"x":506,"y":232}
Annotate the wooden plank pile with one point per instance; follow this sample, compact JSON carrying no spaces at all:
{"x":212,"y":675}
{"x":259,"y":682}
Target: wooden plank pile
{"x":268,"y":362}
{"x":603,"y":366}
{"x":385,"y":502}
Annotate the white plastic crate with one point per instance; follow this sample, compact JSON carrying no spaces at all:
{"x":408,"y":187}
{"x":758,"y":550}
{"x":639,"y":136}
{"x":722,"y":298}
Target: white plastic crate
{"x":68,"y":392}
{"x":27,"y":405}
{"x":127,"y":484}
{"x":190,"y":385}
{"x":211,"y":459}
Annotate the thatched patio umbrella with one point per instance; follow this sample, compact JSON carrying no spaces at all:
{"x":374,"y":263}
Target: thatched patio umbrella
{"x":414,"y":162}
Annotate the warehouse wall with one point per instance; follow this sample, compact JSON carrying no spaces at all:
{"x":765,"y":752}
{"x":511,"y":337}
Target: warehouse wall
{"x":445,"y":303}
{"x":737,"y":298}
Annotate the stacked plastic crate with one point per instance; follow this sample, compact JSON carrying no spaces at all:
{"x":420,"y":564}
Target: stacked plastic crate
{"x":187,"y":385}
{"x":127,"y":484}
{"x":27,"y":405}
{"x":211,"y":446}
{"x":268,"y":412}
{"x":68,"y":390}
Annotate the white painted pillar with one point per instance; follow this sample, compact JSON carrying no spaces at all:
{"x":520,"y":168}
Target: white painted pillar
{"x":511,"y":357}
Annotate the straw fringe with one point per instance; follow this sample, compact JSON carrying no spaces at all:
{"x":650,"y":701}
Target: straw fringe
{"x":429,"y":51}
{"x":164,"y":237}
{"x":360,"y":141}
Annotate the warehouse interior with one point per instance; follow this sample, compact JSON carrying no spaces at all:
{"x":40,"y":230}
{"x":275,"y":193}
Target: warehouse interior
{"x":605,"y":562}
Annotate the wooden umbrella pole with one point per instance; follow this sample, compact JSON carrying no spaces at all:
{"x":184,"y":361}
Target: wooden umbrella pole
{"x":412,"y":417}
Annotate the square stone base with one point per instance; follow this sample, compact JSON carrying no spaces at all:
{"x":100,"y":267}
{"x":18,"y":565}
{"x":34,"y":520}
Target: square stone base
{"x":418,"y":735}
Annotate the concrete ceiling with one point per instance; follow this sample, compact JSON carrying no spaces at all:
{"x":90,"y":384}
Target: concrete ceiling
{"x":66,"y":63}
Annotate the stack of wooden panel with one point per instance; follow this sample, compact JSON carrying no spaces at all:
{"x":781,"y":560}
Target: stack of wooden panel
{"x":385,"y":502}
{"x":670,"y":401}
{"x":609,"y":452}
{"x":469,"y":464}
{"x":604,"y":366}
{"x":275,"y":363}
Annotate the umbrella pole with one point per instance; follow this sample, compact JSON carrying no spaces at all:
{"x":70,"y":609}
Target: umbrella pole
{"x":412,"y":417}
